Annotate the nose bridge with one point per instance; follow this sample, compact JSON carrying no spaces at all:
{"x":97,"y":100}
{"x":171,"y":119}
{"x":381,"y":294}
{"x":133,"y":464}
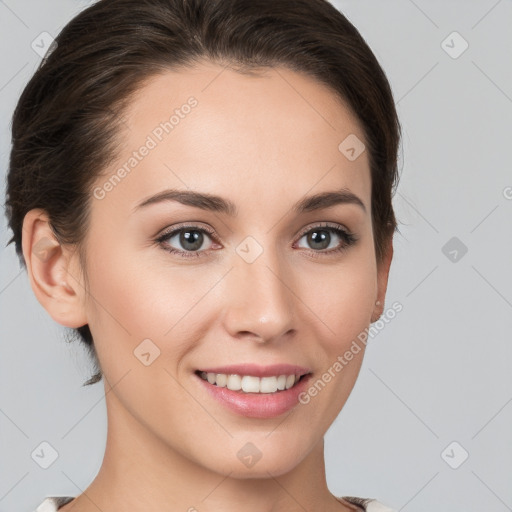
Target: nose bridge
{"x":260,"y":300}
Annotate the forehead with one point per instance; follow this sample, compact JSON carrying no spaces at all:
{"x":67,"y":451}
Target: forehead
{"x":213,"y":129}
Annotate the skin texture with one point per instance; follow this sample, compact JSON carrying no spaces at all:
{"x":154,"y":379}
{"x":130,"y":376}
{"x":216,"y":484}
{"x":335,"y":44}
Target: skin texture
{"x":263,"y":142}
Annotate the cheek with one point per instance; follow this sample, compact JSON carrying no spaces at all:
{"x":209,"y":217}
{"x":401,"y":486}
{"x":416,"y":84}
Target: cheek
{"x":343,"y":306}
{"x":135,"y":299}
{"x":341,"y":298}
{"x":138,"y":319}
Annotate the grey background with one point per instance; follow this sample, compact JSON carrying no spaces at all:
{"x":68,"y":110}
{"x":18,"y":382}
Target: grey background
{"x":438,"y":373}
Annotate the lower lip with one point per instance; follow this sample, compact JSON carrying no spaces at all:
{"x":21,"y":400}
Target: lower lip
{"x":257,"y":405}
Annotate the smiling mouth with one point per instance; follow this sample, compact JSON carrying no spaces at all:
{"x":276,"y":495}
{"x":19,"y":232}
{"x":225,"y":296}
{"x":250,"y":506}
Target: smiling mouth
{"x":250,"y":383}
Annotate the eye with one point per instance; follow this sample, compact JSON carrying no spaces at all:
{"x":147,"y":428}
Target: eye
{"x":191,"y":241}
{"x":326,"y":238}
{"x":186,"y":241}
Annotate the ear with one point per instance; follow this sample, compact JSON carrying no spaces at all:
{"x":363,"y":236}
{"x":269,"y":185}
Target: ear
{"x":382,"y":281}
{"x":53,"y":271}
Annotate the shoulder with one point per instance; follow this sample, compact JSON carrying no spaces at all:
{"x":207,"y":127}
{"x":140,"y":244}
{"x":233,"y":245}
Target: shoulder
{"x":368,"y":504}
{"x":53,"y":503}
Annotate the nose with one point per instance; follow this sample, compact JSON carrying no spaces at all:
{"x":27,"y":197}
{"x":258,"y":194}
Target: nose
{"x":259,"y":299}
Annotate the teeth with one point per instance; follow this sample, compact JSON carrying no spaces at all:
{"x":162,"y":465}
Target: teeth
{"x":234,"y":382}
{"x":250,"y":384}
{"x":220,"y":379}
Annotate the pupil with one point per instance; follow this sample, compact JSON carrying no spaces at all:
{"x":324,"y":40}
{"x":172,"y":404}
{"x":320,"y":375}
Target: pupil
{"x":320,"y":237}
{"x":191,"y":237}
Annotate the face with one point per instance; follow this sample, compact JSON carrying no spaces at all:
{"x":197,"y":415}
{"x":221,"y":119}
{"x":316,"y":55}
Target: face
{"x":258,"y":275}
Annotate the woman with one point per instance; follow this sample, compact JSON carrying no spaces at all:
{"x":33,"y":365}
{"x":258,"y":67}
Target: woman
{"x":202,"y":189}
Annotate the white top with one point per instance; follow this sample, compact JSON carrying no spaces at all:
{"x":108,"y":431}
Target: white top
{"x":53,"y":503}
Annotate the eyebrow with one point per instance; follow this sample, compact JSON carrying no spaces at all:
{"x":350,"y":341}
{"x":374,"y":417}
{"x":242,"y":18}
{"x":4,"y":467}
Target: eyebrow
{"x":221,"y":205}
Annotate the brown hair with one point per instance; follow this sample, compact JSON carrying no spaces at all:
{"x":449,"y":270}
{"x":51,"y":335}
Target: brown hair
{"x":66,"y":121}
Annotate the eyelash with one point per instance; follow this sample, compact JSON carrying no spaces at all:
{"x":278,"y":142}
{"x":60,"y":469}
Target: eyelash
{"x":348,"y":238}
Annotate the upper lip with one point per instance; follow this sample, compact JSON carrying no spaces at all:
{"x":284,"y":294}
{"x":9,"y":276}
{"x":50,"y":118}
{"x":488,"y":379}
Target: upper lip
{"x":258,"y":371}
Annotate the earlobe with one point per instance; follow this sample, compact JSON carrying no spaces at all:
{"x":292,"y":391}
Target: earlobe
{"x":51,"y":268}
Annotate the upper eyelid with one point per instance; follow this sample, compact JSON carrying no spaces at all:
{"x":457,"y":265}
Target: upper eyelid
{"x":328,"y":225}
{"x":210,"y":231}
{"x":174,"y":229}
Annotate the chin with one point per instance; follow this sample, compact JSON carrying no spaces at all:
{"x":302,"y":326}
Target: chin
{"x":249,"y":461}
{"x":260,"y":469}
